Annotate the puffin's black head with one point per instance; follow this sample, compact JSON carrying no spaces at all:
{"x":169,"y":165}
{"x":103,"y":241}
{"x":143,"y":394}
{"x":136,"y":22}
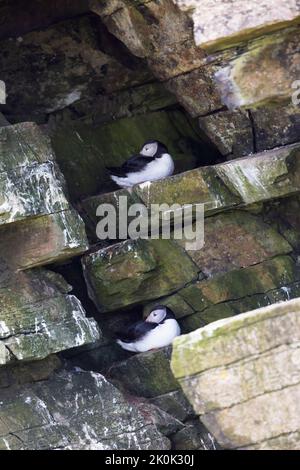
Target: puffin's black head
{"x":159,"y":314}
{"x":153,"y":148}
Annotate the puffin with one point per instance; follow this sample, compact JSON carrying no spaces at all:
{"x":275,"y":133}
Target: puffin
{"x":152,"y":163}
{"x":158,"y":330}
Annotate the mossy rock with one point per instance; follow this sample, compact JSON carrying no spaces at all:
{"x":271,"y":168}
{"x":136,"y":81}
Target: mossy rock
{"x":84,"y":151}
{"x":136,"y":271}
{"x":236,"y":239}
{"x":39,"y":318}
{"x":146,"y":374}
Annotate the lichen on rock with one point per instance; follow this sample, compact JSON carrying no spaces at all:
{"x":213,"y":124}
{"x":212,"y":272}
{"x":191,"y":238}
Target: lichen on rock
{"x":246,"y":392}
{"x":91,"y":414}
{"x":96,"y":80}
{"x":39,"y":317}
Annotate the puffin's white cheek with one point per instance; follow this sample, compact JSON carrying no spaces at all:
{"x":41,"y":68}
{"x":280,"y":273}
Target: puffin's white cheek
{"x":150,"y":318}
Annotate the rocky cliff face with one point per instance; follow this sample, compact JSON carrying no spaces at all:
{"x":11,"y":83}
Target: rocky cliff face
{"x":88,"y":82}
{"x":230,"y":382}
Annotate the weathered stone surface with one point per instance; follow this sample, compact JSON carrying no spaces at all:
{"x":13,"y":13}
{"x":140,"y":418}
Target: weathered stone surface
{"x":112,"y":143}
{"x":135,"y":271}
{"x":241,"y":290}
{"x":257,"y":399}
{"x":267,"y":175}
{"x":196,"y":91}
{"x":22,"y":145}
{"x":235,"y":240}
{"x":105,"y":7}
{"x":284,"y":215}
{"x":128,"y":25}
{"x":39,"y":318}
{"x":22,"y":373}
{"x":174,"y":403}
{"x":88,"y":209}
{"x":284,"y":442}
{"x":230,"y":131}
{"x":192,"y":362}
{"x":285,"y":418}
{"x":97,"y":357}
{"x":195,"y":186}
{"x":20,"y":197}
{"x":91,"y":414}
{"x":222,"y":24}
{"x":255,"y":376}
{"x":86,"y":61}
{"x":146,"y":374}
{"x":277,"y":57}
{"x":194,"y":436}
{"x":45,"y":239}
{"x":234,"y":184}
{"x":159,"y":32}
{"x":3,"y":120}
{"x":124,"y":103}
{"x":167,"y":424}
{"x":32,"y":193}
{"x":275,"y":126}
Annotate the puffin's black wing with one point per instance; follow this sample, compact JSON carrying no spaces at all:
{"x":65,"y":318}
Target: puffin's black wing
{"x":136,"y":331}
{"x":133,"y":165}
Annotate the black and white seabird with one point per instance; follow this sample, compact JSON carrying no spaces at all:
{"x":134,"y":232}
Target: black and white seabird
{"x":158,"y":330}
{"x":152,"y":163}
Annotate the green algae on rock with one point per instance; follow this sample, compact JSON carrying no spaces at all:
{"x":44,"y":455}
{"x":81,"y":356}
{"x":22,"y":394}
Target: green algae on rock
{"x":276,"y":57}
{"x":228,"y":378}
{"x":33,"y":202}
{"x":147,"y":374}
{"x":39,"y":317}
{"x":248,"y":241}
{"x":111,"y":143}
{"x":241,"y":182}
{"x":134,"y":271}
{"x":240,"y":290}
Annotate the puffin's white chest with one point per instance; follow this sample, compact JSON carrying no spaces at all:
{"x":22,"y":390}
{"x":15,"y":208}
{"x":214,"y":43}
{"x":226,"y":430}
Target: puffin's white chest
{"x":157,"y":169}
{"x":154,"y":170}
{"x":161,"y":336}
